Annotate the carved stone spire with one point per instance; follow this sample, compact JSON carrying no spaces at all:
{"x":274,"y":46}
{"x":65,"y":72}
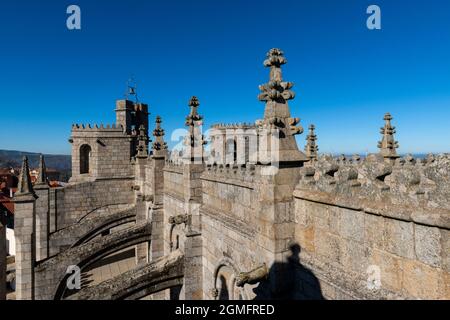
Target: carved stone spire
{"x":276,"y":94}
{"x":194,"y":140}
{"x":42,"y":175}
{"x":388,"y":145}
{"x":142,"y":151}
{"x":311,"y":147}
{"x":276,"y":89}
{"x":25,"y":187}
{"x":159,"y":146}
{"x":193,"y":116}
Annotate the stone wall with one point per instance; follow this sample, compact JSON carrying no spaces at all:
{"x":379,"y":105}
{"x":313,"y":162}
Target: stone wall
{"x":229,"y":230}
{"x":78,"y":200}
{"x":110,"y":152}
{"x":345,"y":247}
{"x":228,"y":245}
{"x":372,"y":229}
{"x":173,"y":181}
{"x":229,"y":189}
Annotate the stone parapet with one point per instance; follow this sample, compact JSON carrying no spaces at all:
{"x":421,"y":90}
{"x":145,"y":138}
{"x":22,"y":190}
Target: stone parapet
{"x":97,"y":127}
{"x":420,"y":183}
{"x":240,"y":125}
{"x":244,"y":175}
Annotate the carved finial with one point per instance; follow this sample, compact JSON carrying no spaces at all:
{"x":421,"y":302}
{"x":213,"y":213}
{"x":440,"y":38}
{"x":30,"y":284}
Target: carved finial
{"x":42,"y":175}
{"x":311,"y":147}
{"x":277,"y":116}
{"x":193,"y":116}
{"x":276,"y":89}
{"x":388,"y":145}
{"x":25,"y":186}
{"x":142,"y":151}
{"x":194,"y":140}
{"x":159,"y":146}
{"x":275,"y":59}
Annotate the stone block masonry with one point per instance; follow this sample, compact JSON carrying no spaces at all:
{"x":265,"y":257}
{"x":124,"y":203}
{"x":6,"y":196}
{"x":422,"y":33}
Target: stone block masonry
{"x":395,"y":235}
{"x":317,"y":227}
{"x":80,"y":200}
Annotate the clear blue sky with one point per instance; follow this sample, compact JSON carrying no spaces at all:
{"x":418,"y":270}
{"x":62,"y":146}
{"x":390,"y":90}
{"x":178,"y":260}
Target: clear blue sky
{"x":346,"y":76}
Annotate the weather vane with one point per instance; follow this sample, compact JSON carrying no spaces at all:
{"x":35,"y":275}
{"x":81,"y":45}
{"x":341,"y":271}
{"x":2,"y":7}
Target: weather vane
{"x":131,"y":89}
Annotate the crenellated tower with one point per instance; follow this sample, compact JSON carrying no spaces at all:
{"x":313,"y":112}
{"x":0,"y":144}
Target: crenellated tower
{"x":105,"y":151}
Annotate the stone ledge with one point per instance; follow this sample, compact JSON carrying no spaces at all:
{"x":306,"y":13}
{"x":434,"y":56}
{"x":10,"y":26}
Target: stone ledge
{"x":432,"y":217}
{"x":173,"y":168}
{"x":234,"y":182}
{"x":173,"y":195}
{"x":233,"y":223}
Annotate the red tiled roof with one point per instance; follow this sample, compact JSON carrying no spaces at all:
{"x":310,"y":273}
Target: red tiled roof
{"x":55,"y":184}
{"x":7,"y":203}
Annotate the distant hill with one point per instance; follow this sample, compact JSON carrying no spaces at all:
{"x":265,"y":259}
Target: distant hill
{"x":11,"y":158}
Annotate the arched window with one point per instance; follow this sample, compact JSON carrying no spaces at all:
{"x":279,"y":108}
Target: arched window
{"x":246,"y":149}
{"x":85,"y":156}
{"x":231,"y":149}
{"x":224,"y":283}
{"x":177,"y":245}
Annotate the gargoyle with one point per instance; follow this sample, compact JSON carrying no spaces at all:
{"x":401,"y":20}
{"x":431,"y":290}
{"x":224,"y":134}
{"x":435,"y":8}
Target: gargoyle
{"x":253,"y":276}
{"x":182,"y":218}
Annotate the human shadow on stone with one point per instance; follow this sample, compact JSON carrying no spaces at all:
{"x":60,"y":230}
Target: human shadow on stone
{"x":289,"y":280}
{"x":223,"y":294}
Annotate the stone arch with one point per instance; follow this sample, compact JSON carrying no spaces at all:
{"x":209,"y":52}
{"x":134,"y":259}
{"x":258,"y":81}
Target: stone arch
{"x":231,"y":150}
{"x":246,"y":149}
{"x":106,"y":225}
{"x":174,"y":245}
{"x":165,"y":273}
{"x":85,"y":255}
{"x":225,"y":281}
{"x":174,"y":237}
{"x":85,"y":159}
